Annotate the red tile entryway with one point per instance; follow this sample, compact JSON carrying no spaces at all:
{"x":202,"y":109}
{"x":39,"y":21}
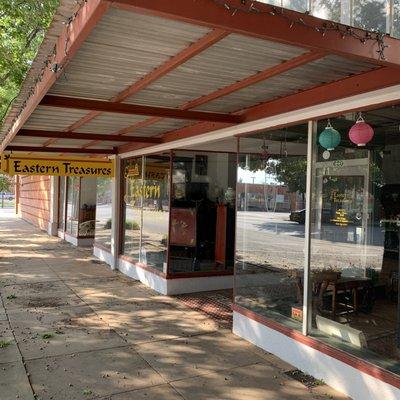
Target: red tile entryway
{"x":216,"y":304}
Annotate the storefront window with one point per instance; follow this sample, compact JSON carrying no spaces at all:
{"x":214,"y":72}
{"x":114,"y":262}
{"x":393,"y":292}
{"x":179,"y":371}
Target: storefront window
{"x":297,"y":5}
{"x":203,"y":212}
{"x":87,"y":207}
{"x":355,"y":240}
{"x":396,"y":18}
{"x":155,"y":193}
{"x":270,"y":242}
{"x":327,"y":9}
{"x":370,"y":14}
{"x":72,"y":205}
{"x":132,"y":216}
{"x":61,"y":204}
{"x":104,"y":212}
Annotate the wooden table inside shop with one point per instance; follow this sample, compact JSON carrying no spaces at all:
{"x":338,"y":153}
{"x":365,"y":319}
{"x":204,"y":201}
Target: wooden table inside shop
{"x":346,"y":284}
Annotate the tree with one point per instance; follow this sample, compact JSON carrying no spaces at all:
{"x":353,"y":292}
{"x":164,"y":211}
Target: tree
{"x":5,"y":184}
{"x":23,"y":24}
{"x":370,"y":15}
{"x":292,"y":172}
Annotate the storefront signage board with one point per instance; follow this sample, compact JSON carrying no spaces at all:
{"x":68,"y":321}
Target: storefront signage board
{"x":25,"y":164}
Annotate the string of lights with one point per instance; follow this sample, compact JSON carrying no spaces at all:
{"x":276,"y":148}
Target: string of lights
{"x":343,"y":31}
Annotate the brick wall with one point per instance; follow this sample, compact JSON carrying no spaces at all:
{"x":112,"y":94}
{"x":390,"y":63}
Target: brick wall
{"x":34,"y":200}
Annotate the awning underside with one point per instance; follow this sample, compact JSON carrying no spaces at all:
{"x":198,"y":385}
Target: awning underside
{"x":163,"y":64}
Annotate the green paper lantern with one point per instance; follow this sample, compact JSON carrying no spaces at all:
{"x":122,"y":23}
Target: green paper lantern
{"x":329,"y":138}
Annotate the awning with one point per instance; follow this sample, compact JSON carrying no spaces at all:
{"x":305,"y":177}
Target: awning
{"x":127,"y":74}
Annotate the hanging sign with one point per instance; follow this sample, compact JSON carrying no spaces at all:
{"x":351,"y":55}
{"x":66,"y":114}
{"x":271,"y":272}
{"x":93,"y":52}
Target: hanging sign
{"x":24,"y":164}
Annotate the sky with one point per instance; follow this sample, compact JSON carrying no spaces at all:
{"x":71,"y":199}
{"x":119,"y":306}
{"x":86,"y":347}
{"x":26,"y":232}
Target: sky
{"x":259,"y":176}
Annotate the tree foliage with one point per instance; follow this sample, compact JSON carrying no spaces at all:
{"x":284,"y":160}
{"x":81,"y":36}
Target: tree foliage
{"x":23,"y":24}
{"x":290,"y":171}
{"x":5,"y":184}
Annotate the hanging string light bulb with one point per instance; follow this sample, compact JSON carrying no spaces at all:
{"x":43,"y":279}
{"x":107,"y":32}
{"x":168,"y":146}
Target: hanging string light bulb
{"x":361,"y":133}
{"x":329,"y":138}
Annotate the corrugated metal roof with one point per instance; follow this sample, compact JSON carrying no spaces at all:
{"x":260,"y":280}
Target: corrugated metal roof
{"x":163,"y":126}
{"x":327,"y":69}
{"x":29,"y":141}
{"x":55,"y":119}
{"x":123,"y":48}
{"x":110,"y":123}
{"x":232,"y":59}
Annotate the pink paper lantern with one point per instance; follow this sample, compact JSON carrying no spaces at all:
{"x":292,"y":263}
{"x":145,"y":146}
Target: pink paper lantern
{"x":361,"y":133}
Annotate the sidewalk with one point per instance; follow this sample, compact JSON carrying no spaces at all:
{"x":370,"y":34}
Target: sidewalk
{"x":70,"y":328}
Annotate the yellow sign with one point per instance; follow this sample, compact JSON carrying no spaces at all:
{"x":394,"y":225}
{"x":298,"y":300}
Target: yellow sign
{"x":341,"y":218}
{"x":17,"y":164}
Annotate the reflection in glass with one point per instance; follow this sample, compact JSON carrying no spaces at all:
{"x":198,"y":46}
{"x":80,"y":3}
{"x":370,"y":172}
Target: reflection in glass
{"x":370,"y":14}
{"x":366,"y":14}
{"x":355,"y":241}
{"x":155,"y":192}
{"x":61,"y":204}
{"x":87,"y":207}
{"x":297,"y":5}
{"x":72,"y":205}
{"x":396,"y":18}
{"x":104,"y":212}
{"x":203,"y":212}
{"x":327,"y":9}
{"x":132,"y":217}
{"x":270,"y":224}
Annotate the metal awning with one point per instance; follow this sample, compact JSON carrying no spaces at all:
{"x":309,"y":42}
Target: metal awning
{"x":124,"y":74}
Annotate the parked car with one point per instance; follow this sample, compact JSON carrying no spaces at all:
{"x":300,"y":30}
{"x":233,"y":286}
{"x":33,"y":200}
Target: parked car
{"x":7,"y":196}
{"x":298,"y":216}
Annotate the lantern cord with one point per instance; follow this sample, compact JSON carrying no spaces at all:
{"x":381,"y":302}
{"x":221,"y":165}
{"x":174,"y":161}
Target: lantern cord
{"x":360,"y":117}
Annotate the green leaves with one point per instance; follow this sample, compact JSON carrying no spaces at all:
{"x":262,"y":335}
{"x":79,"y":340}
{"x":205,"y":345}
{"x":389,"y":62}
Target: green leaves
{"x":5,"y":183}
{"x":23,"y":24}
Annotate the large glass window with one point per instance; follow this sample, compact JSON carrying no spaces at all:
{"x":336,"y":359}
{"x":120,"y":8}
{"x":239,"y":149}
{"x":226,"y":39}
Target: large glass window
{"x":370,"y":14}
{"x":132,"y":216}
{"x":104,"y":212}
{"x":297,"y":5}
{"x":146,"y":210}
{"x":61,"y":204}
{"x":72,"y":205}
{"x":355,"y":240}
{"x":202,"y":212}
{"x":373,"y":15}
{"x":155,"y":192}
{"x":271,"y":189}
{"x":327,"y":9}
{"x":87,"y":207}
{"x":396,"y":18}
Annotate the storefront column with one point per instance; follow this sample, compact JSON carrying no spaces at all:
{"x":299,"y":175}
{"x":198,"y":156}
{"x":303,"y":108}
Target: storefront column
{"x":53,"y":207}
{"x":307,"y":304}
{"x":116,"y":213}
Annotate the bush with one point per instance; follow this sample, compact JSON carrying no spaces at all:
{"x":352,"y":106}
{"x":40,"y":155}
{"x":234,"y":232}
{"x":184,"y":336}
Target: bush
{"x":132,"y":225}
